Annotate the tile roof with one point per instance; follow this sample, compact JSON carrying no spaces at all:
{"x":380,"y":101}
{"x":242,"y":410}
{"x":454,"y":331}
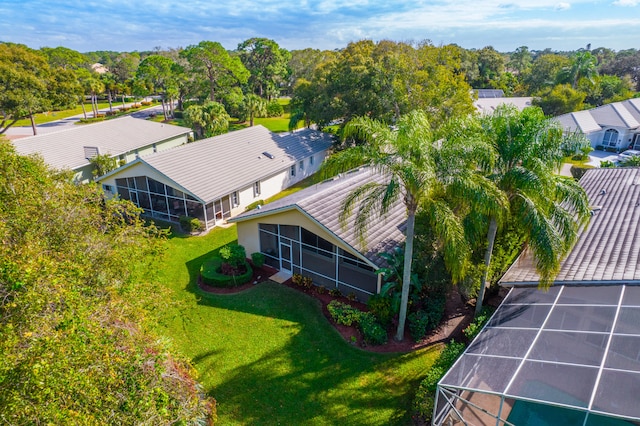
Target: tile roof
{"x":214,"y":167}
{"x":624,"y":114}
{"x":489,"y":104}
{"x":323,"y":202}
{"x":608,"y":250}
{"x":65,"y":149}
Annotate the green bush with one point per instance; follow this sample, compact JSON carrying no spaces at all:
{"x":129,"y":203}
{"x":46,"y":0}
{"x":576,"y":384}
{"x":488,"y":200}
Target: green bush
{"x":257,"y":259}
{"x":233,"y":254}
{"x":302,"y":281}
{"x":190,"y":224}
{"x":178,"y":114}
{"x":372,"y":332}
{"x":381,"y":307}
{"x":427,"y":318}
{"x":606,"y":164}
{"x":343,"y":313}
{"x":211,"y":275}
{"x":274,"y":109}
{"x":474,"y":328}
{"x":578,"y":172}
{"x":423,"y":402}
{"x":335,"y":292}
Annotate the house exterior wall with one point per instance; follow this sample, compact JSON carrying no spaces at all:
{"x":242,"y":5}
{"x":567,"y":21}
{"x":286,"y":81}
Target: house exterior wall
{"x":624,"y":140}
{"x":83,"y":174}
{"x":330,"y":272}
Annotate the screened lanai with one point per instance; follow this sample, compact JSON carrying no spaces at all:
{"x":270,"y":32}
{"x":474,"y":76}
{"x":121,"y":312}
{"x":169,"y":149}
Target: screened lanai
{"x":566,"y":356}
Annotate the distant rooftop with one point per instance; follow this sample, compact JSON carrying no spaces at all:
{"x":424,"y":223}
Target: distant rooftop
{"x":624,"y":114}
{"x":66,"y":148}
{"x":214,"y":167}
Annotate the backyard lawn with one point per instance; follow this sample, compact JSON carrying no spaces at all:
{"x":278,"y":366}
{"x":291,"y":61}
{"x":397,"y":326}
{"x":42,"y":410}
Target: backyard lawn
{"x":268,"y":355}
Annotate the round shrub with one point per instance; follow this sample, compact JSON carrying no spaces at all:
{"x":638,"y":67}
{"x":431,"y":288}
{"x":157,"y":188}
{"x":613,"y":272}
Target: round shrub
{"x":372,"y":332}
{"x":257,"y":259}
{"x":211,"y":274}
{"x":190,"y":224}
{"x":380,"y":306}
{"x":274,"y":109}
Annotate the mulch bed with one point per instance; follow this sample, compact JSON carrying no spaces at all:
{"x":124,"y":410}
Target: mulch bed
{"x":457,"y":316}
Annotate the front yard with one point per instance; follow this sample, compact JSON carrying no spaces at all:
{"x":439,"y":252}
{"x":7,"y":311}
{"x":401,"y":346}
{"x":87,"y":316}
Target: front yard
{"x":269,"y":356}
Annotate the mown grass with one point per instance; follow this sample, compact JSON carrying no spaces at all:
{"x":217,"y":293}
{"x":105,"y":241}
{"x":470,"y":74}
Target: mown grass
{"x":269,"y":356}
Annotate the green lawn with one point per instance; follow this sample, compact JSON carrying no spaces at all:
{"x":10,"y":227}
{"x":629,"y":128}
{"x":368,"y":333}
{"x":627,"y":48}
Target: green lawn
{"x":269,"y":356}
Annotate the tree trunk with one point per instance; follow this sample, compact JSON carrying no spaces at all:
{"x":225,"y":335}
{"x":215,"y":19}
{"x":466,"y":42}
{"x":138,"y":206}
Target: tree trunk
{"x":251,"y":119}
{"x":406,"y":275}
{"x":164,"y":108}
{"x":33,"y":124}
{"x":123,"y":106}
{"x":491,"y":237}
{"x":84,"y":110}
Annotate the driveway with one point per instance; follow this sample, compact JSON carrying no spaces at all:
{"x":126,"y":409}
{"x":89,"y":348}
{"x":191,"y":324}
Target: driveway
{"x":595,"y":157}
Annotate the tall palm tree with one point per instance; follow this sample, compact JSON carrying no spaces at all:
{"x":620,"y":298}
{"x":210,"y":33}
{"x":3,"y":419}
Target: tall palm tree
{"x":423,"y":169}
{"x":547,"y":207}
{"x":255,"y":106}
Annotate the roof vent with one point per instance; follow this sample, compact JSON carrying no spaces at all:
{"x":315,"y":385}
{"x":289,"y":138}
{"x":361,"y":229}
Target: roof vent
{"x":269,"y":155}
{"x":603,"y":191}
{"x":91,"y":151}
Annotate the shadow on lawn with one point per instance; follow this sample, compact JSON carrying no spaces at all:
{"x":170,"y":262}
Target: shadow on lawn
{"x":307,"y":374}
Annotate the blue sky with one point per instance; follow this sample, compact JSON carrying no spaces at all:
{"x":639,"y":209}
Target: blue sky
{"x":127,"y":25}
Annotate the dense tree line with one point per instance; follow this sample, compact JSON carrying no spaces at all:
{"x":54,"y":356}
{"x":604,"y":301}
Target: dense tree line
{"x":381,"y":80}
{"x":75,"y":299}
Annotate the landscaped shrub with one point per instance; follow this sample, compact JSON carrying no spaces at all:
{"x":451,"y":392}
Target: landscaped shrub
{"x":381,"y":307}
{"x":302,"y":281}
{"x":474,"y":328}
{"x":335,"y":292}
{"x":427,"y":318}
{"x":178,"y":114}
{"x":190,"y":224}
{"x":578,"y":172}
{"x":321,"y":289}
{"x":372,"y":332}
{"x":343,"y":313}
{"x":274,"y":109}
{"x":233,"y":254}
{"x":606,"y":164}
{"x":257,"y":259}
{"x":352,"y":296}
{"x":211,"y":274}
{"x":425,"y":396}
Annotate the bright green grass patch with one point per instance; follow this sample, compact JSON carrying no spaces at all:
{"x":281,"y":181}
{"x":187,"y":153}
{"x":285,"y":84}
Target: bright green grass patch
{"x":269,"y":356}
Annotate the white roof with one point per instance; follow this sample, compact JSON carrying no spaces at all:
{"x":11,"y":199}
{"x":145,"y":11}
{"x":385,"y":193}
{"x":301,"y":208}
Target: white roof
{"x":625,"y":115}
{"x":66,"y":148}
{"x":488,"y":105}
{"x":214,"y":167}
{"x":581,"y":121}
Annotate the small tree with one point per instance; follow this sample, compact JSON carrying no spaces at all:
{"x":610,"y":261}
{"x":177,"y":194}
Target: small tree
{"x":104,"y":163}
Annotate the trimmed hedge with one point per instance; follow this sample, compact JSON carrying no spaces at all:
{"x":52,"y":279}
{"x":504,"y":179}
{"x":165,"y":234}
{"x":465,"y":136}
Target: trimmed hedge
{"x":211,"y":275}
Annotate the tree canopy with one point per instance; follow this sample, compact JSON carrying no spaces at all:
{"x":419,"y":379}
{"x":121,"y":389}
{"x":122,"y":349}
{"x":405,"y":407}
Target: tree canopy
{"x":76,"y":345}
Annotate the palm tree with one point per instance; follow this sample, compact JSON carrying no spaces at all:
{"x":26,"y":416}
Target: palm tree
{"x":583,"y":64}
{"x":255,"y":106}
{"x":423,"y":170}
{"x":547,"y":207}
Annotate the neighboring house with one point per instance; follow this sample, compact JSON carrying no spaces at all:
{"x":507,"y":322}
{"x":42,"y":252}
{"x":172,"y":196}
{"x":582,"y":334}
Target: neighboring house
{"x":302,"y":233}
{"x":614,"y":126}
{"x":216,"y":178}
{"x":569,"y":355}
{"x":487,"y":105}
{"x":123,"y":138}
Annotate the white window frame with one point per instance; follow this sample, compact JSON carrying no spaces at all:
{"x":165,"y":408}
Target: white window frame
{"x":235,"y":199}
{"x":256,"y":188}
{"x":292,"y":171}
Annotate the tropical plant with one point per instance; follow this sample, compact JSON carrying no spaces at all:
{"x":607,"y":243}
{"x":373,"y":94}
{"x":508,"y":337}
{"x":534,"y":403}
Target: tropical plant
{"x":547,"y":207}
{"x":103,"y":163}
{"x":207,"y":120}
{"x":255,"y":106}
{"x":421,"y":168}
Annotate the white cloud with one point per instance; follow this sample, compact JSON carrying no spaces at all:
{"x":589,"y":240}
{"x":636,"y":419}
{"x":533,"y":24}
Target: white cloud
{"x":630,"y":3}
{"x":563,"y":6}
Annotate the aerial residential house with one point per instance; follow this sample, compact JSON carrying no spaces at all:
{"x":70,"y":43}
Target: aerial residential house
{"x":124,"y":138}
{"x":614,"y":127}
{"x":302,"y":233}
{"x":569,"y":355}
{"x":216,"y":178}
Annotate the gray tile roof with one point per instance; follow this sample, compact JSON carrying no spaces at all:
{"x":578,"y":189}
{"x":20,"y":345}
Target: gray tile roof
{"x":489,"y":104}
{"x":323,"y":203}
{"x":625,"y":114}
{"x":65,"y":149}
{"x":608,"y":250}
{"x":214,"y":167}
